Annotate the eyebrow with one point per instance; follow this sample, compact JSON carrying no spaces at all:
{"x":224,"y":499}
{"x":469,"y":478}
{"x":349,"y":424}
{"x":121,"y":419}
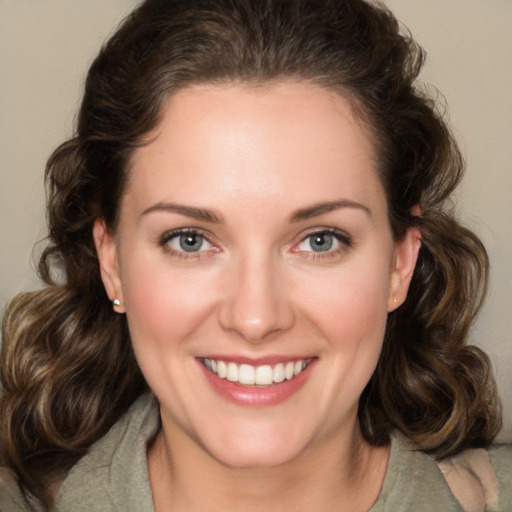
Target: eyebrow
{"x":206,"y":215}
{"x":202,"y":214}
{"x":321,"y":208}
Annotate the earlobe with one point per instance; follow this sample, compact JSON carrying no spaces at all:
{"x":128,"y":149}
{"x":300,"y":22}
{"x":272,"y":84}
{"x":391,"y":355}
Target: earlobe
{"x":109,"y":266}
{"x":404,"y":262}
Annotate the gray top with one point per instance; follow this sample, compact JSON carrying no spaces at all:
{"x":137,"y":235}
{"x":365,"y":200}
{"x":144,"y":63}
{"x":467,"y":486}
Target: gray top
{"x":113,"y":476}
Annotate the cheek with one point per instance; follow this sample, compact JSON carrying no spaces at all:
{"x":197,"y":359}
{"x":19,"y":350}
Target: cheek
{"x":165,"y":304}
{"x":351,"y":300}
{"x":350,"y":311}
{"x":352,"y":320}
{"x":165,"y":308}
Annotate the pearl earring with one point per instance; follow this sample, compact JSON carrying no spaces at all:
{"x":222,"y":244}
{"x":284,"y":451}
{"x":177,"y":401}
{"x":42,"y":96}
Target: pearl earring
{"x":116,"y":302}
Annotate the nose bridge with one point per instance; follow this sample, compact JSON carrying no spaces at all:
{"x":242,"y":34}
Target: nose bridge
{"x":256,"y":302}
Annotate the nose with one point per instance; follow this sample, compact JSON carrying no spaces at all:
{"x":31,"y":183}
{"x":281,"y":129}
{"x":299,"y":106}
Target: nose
{"x":255,"y":302}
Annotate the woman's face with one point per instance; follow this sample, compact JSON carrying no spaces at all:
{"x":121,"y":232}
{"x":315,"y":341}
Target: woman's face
{"x":255,"y":262}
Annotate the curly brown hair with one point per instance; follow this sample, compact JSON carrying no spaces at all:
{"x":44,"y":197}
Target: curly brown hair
{"x":67,"y":367}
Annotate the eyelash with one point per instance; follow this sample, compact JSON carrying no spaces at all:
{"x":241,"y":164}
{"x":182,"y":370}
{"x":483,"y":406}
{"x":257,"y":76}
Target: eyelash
{"x":343,"y":238}
{"x":340,"y":236}
{"x":167,"y":237}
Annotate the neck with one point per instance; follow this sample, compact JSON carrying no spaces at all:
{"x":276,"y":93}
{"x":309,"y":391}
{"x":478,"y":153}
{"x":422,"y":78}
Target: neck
{"x":339,"y":474}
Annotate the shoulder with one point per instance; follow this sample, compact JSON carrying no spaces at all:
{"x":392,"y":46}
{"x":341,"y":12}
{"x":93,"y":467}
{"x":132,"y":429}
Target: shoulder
{"x":473,"y":481}
{"x":113,"y":475}
{"x":501,"y":461}
{"x":413,"y":481}
{"x":11,"y":499}
{"x":481,"y":479}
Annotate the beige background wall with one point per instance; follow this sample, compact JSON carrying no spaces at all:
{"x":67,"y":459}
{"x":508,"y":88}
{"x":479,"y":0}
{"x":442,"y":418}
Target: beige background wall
{"x":45,"y":47}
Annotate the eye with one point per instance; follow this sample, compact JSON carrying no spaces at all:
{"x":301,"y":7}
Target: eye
{"x":325,"y":241}
{"x":186,"y":241}
{"x":318,"y":242}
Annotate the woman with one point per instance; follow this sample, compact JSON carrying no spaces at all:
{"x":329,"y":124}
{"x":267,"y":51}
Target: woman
{"x":266,"y":300}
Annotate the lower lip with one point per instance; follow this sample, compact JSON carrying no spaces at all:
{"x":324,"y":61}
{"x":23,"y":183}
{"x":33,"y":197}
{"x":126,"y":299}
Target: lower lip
{"x":256,"y":396}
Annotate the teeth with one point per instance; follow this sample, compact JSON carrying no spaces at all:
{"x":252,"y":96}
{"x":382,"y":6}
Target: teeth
{"x":248,"y":375}
{"x":232,"y":373}
{"x":264,"y":375}
{"x":289,"y":370}
{"x":222,"y":370}
{"x":278,"y":373}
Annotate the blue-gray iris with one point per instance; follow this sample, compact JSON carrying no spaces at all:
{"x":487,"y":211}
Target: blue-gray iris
{"x":191,"y":242}
{"x":321,"y":242}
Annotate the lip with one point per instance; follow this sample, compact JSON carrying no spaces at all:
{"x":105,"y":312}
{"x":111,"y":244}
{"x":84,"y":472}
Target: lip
{"x":253,"y":396}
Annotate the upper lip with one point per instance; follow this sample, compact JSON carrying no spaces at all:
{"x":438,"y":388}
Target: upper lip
{"x":258,"y":361}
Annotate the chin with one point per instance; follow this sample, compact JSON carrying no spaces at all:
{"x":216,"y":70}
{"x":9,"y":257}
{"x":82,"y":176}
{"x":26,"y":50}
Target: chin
{"x":264,"y":456}
{"x":255,"y":447}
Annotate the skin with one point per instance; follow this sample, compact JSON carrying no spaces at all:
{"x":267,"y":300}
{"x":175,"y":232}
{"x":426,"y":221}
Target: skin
{"x":254,"y":157}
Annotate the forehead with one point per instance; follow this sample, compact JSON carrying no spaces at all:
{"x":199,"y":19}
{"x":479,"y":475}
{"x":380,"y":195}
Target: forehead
{"x":286,"y":139}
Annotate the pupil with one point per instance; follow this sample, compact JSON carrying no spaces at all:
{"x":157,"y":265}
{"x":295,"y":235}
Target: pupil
{"x":190,"y":243}
{"x":322,"y":242}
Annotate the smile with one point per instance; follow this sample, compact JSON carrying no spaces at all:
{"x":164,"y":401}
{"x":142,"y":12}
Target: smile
{"x":263,"y":375}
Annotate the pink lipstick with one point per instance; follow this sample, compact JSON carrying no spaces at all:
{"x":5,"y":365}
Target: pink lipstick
{"x":255,"y":384}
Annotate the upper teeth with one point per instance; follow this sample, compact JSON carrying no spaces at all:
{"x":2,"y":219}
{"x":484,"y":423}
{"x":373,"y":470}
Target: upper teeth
{"x":248,"y":375}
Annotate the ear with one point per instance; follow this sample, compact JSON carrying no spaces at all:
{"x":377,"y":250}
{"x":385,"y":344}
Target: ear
{"x":109,"y":265}
{"x":404,"y":261}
